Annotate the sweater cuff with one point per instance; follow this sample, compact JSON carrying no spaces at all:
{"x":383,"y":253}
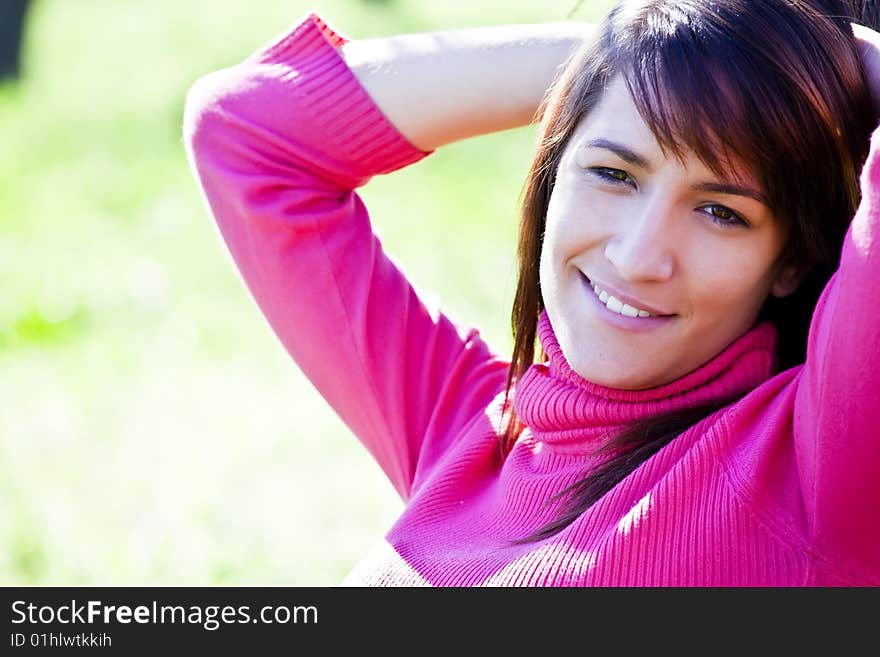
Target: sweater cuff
{"x":337,"y":100}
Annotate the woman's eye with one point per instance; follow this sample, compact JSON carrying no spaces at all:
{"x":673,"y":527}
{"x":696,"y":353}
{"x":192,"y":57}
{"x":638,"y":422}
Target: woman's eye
{"x":614,"y":176}
{"x":723,"y":216}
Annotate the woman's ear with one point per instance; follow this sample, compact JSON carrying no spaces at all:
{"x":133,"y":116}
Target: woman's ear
{"x":787,"y":280}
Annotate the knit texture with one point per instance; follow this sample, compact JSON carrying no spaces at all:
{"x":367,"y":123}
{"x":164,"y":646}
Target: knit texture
{"x":778,"y":489}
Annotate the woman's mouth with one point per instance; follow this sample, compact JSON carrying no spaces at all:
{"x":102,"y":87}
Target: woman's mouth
{"x":616,"y":305}
{"x":624,"y":314}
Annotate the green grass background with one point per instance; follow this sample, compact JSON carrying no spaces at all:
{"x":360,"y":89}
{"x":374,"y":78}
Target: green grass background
{"x":152,"y":428}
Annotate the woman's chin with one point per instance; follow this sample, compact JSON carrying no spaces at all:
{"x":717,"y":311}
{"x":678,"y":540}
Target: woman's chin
{"x":619,"y":375}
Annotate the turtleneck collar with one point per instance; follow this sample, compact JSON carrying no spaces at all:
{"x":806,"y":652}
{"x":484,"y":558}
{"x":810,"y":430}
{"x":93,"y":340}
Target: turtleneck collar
{"x":573,"y":415}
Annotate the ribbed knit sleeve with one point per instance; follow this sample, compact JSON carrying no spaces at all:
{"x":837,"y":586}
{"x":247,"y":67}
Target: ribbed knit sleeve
{"x":837,"y":407}
{"x":279,"y":143}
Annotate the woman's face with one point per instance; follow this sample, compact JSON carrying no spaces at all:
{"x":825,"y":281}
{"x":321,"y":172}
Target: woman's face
{"x":651,"y":266}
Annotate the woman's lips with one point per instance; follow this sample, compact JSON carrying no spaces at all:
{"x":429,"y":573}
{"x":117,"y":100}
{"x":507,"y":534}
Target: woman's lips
{"x":622,"y":321}
{"x":614,"y":300}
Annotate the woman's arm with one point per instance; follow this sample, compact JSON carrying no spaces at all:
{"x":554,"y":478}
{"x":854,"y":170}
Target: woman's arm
{"x":868,"y":42}
{"x":837,"y":407}
{"x":440,"y":87}
{"x":279,"y":144}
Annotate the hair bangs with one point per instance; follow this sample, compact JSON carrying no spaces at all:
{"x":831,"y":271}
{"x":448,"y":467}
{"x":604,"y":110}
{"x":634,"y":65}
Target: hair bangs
{"x":691,"y":96}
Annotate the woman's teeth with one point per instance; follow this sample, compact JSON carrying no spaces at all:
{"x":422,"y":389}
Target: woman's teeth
{"x":616,"y":305}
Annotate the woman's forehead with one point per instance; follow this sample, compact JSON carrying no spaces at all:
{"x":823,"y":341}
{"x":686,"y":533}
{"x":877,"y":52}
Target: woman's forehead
{"x":616,"y":116}
{"x":615,"y":121}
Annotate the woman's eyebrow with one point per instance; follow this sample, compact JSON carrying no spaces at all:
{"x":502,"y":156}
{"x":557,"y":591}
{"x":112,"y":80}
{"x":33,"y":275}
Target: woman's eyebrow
{"x":623,"y":152}
{"x":728,"y":188}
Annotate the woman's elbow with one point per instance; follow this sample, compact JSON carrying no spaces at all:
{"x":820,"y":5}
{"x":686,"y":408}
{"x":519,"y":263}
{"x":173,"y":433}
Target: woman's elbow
{"x":203,"y":113}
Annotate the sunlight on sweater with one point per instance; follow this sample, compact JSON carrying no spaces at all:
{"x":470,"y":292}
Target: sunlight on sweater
{"x":569,"y":565}
{"x":384,"y":558}
{"x":635,"y":515}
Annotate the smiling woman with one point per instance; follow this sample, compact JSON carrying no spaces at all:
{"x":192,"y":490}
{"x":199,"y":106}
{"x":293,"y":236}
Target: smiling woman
{"x":692,"y":192}
{"x":697,"y":255}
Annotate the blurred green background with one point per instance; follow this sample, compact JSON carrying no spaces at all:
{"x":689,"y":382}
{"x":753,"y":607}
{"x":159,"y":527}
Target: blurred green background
{"x":153,"y":429}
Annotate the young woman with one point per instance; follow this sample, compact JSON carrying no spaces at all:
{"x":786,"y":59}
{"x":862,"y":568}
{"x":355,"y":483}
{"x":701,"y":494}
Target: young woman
{"x":691,"y":195}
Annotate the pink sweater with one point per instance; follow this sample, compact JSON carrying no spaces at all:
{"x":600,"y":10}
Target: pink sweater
{"x":779,"y":489}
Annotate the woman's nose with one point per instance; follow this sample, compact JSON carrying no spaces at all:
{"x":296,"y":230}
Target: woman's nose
{"x":643,"y":248}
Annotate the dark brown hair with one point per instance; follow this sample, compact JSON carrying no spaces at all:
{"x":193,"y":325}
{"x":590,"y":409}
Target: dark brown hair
{"x":776,"y":85}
